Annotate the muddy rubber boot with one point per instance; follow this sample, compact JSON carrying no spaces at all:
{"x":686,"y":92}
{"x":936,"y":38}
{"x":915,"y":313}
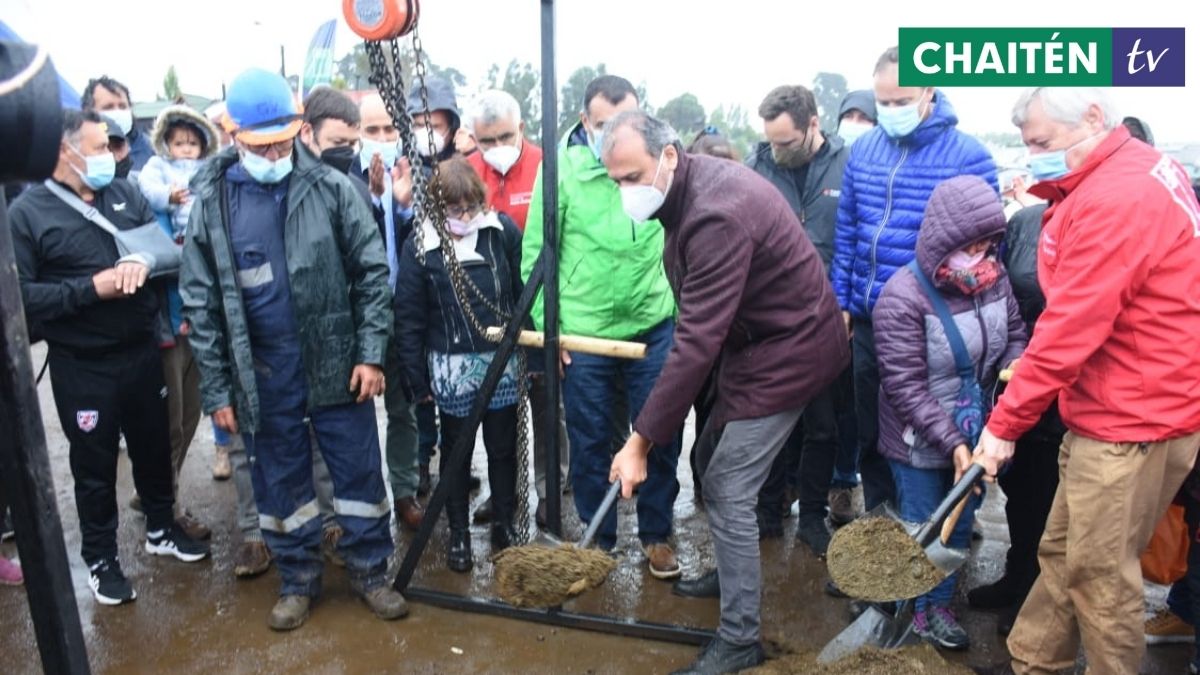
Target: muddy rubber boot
{"x":289,"y":613}
{"x":385,"y":602}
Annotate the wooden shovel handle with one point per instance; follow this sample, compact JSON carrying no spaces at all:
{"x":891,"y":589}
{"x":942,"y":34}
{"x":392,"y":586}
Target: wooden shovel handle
{"x":952,"y":519}
{"x":577,"y":343}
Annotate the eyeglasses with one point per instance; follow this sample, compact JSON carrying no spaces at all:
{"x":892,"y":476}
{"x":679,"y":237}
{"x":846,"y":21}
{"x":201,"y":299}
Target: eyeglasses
{"x":461,"y":212}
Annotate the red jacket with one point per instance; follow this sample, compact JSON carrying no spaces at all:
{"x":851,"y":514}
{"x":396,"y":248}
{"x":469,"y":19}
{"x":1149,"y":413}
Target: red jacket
{"x":1119,"y":341}
{"x":510,"y":193}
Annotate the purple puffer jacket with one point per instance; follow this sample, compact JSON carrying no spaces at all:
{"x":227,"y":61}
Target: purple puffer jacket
{"x":918,"y":380}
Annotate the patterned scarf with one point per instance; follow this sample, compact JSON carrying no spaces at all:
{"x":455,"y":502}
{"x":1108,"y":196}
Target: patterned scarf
{"x":974,"y":280}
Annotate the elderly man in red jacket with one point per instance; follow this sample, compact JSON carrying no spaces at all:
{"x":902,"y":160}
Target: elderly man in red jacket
{"x":754,"y":301}
{"x":1119,"y":347}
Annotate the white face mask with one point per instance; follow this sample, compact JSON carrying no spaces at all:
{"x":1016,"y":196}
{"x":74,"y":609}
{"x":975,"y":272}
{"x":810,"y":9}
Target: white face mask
{"x":961,"y":260}
{"x":123,"y":118}
{"x":502,"y":157}
{"x":465,"y":228}
{"x":439,"y":142}
{"x":641,"y":202}
{"x":852,"y":131}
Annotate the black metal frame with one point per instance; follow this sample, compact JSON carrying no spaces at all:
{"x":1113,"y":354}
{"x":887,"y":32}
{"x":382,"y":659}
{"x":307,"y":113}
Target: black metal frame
{"x":544,"y":276}
{"x":29,"y":483}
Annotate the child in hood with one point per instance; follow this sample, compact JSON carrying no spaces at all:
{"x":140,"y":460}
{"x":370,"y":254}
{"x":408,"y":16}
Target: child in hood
{"x":934,"y":374}
{"x":183,"y":139}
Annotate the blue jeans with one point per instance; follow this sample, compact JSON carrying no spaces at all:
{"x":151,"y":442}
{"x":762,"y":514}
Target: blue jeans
{"x":588,"y":396}
{"x":918,"y":492}
{"x":220,"y":436}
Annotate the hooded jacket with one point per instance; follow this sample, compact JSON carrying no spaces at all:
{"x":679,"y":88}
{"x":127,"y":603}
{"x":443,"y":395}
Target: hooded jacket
{"x":884,"y":191}
{"x":815,"y":203}
{"x":337,"y":274}
{"x":162,"y":174}
{"x":1119,"y":341}
{"x":751,"y":290}
{"x":611,"y":282}
{"x":919,"y":381}
{"x":440,"y":95}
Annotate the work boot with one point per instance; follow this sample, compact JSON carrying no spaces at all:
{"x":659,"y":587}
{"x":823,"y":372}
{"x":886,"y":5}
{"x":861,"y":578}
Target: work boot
{"x":424,"y":481}
{"x":194,"y":528}
{"x":252,"y":559}
{"x":841,"y":506}
{"x":707,"y":585}
{"x":458,"y":553}
{"x":329,"y":543}
{"x":385,"y":602}
{"x":662,"y":561}
{"x":409,"y":512}
{"x":721,"y":657}
{"x":289,"y":613}
{"x":811,"y":530}
{"x":1165,"y":628}
{"x":221,"y":469}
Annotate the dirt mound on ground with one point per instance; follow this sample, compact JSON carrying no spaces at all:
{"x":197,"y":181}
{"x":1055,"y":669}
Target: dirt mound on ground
{"x":921,"y":659}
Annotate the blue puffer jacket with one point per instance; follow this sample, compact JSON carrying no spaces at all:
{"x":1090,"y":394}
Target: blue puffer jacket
{"x":884,"y":191}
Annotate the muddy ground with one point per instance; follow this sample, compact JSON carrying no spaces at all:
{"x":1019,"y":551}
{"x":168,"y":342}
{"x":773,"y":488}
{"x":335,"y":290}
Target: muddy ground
{"x":198,"y":618}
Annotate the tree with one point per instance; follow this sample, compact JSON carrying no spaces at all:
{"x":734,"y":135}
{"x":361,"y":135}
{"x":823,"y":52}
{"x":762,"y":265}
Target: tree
{"x":734,"y":124}
{"x":524,"y":83}
{"x":684,"y":113}
{"x":171,"y":90}
{"x":829,"y":89}
{"x":354,"y":69}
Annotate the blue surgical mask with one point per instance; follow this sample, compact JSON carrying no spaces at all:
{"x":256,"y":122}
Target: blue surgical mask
{"x":387,"y":151}
{"x":899,"y":121}
{"x":100,"y":169}
{"x":1053,"y":165}
{"x":264,"y":170}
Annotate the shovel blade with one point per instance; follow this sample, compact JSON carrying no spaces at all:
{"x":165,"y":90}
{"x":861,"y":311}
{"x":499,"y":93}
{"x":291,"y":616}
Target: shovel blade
{"x":873,"y":628}
{"x":945,"y":558}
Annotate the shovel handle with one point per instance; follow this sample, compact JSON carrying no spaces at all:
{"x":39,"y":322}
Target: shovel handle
{"x":610,"y":497}
{"x":960,"y":490}
{"x":952,"y":519}
{"x":620,"y":349}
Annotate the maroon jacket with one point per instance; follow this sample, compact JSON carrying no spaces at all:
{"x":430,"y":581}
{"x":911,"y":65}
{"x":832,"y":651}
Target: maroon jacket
{"x":752,"y":290}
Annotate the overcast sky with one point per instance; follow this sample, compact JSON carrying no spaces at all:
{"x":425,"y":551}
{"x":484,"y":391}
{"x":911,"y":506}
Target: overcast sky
{"x":673,"y":46}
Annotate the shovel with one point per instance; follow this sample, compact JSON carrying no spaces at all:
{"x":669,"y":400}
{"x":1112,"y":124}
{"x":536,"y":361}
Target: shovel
{"x":547,"y":573}
{"x":876,"y":627}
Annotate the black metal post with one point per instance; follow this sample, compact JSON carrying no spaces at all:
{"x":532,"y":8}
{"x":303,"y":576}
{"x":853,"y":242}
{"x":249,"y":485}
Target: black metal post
{"x":29,"y":485}
{"x":550,"y":269}
{"x":461,"y":452}
{"x":645,"y":630}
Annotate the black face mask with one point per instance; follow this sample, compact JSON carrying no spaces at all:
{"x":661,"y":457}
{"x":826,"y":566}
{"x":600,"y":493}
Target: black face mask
{"x":339,"y":158}
{"x":124,"y":166}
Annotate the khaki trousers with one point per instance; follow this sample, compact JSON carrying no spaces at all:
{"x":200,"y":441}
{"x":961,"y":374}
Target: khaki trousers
{"x":1109,"y":498}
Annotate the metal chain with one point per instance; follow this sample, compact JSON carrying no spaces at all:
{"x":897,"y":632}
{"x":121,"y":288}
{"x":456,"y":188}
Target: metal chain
{"x":428,"y":204}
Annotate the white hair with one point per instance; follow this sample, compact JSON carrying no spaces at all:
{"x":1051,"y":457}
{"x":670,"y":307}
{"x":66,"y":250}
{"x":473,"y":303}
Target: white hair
{"x":495,"y":105}
{"x":1067,"y":105}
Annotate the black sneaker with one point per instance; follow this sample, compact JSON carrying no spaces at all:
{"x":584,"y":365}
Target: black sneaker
{"x":108,"y":583}
{"x":175,"y":542}
{"x":813,"y":532}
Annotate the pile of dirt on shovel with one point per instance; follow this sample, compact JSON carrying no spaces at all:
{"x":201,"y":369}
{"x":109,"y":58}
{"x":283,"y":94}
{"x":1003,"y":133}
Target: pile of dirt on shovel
{"x":920,"y":659}
{"x":545,"y":576}
{"x":876,"y":559}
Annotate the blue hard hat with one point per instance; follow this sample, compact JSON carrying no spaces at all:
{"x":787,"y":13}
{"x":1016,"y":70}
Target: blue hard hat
{"x":260,"y":108}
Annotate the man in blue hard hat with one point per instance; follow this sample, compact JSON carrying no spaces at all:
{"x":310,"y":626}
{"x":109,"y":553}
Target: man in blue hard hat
{"x":284,"y":283}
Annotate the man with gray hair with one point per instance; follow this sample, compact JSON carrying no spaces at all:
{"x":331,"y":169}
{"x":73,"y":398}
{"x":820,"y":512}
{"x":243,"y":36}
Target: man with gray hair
{"x":752,"y":292}
{"x":1118,"y":346}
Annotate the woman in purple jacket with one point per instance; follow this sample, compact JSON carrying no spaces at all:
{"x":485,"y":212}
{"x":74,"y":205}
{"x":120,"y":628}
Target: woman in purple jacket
{"x":920,"y":382}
